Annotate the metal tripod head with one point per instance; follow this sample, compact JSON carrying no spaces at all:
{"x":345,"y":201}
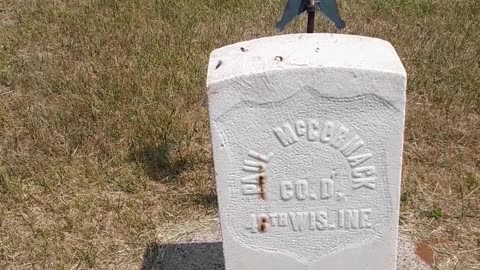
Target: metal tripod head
{"x":294,"y":8}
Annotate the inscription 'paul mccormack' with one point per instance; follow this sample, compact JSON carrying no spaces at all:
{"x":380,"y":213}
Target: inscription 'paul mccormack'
{"x":337,"y":136}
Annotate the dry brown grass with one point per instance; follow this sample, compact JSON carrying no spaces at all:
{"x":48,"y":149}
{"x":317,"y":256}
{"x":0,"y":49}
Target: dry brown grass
{"x":103,"y":128}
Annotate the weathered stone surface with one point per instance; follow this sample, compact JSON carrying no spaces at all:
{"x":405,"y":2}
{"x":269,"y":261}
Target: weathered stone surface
{"x":307,"y":134}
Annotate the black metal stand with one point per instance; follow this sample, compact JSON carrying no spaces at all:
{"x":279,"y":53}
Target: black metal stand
{"x":311,"y":17}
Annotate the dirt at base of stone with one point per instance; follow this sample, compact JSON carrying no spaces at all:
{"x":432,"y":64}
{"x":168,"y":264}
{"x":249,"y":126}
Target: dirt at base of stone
{"x":202,"y":250}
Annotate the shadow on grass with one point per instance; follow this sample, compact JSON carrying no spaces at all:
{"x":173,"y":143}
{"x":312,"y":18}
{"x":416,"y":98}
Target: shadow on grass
{"x":159,"y":167}
{"x":157,"y":163}
{"x":208,"y":200}
{"x":191,"y":256}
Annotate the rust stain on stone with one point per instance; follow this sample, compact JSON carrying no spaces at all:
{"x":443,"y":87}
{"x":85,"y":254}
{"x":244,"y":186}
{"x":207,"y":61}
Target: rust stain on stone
{"x":263,"y":225}
{"x":261,"y":182}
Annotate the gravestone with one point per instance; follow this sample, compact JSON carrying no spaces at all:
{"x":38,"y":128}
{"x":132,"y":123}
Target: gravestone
{"x":307,"y":136}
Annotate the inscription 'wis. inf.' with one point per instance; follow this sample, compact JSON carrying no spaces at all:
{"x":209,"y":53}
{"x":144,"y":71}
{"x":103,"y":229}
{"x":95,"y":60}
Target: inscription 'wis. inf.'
{"x":337,"y":136}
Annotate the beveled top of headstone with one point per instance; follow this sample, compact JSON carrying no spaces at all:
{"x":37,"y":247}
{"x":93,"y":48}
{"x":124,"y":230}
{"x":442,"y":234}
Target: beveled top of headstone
{"x":326,"y":50}
{"x":289,"y":52}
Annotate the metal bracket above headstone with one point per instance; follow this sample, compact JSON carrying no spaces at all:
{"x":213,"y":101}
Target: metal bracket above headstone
{"x":294,"y":8}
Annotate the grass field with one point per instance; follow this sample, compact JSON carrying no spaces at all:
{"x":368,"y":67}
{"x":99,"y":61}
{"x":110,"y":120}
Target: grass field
{"x":104,"y":133}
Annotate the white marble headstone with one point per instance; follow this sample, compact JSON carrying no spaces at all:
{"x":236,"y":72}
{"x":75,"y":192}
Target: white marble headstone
{"x":307,"y":134}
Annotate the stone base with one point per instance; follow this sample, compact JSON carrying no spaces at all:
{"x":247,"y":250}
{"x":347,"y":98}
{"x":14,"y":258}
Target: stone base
{"x":203,"y":251}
